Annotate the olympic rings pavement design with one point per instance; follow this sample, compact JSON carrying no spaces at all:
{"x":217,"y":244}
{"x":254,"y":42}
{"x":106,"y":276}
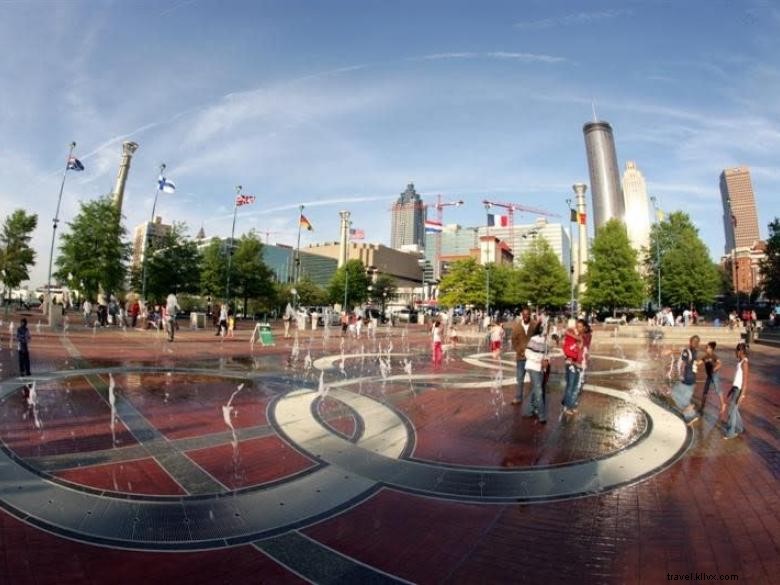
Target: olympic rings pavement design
{"x":347,"y":473}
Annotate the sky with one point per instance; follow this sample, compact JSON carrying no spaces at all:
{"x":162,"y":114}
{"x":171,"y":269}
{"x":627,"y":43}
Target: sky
{"x":338,"y":105}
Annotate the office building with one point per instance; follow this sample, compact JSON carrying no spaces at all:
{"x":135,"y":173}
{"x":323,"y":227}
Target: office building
{"x":408,"y":220}
{"x":637,"y":205}
{"x":146,"y":235}
{"x":740,"y":217}
{"x":605,"y":186}
{"x":457,"y":243}
{"x":520,"y":238}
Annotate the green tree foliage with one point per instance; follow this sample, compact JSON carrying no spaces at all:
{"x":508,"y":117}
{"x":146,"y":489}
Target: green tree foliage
{"x":688,"y":276}
{"x":541,"y":279}
{"x":612,"y":279}
{"x":464,"y":284}
{"x":172,"y":265}
{"x":93,"y":253}
{"x":383,"y":289}
{"x":770,"y":266}
{"x":353,"y":273}
{"x":250,"y":276}
{"x":213,"y":269}
{"x":310,"y":294}
{"x":16,"y":255}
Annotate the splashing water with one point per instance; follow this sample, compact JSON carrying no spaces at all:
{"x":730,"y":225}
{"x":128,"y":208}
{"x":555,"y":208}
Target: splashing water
{"x":94,"y":328}
{"x":65,"y":327}
{"x":322,"y":389}
{"x":11,"y":331}
{"x":341,"y":365}
{"x":384,"y":368}
{"x":37,"y":327}
{"x":32,"y":403}
{"x":112,"y":404}
{"x":228,"y":413}
{"x":496,"y":394}
{"x":408,"y":372}
{"x":307,"y":362}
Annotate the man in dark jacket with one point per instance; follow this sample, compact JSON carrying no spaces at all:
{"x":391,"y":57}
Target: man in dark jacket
{"x":23,"y":340}
{"x":523,"y":329}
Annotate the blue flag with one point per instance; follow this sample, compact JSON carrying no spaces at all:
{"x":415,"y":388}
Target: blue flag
{"x":74,"y":164}
{"x":165,"y":185}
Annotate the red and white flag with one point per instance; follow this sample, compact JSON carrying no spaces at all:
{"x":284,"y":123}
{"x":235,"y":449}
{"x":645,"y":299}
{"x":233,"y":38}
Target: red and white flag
{"x":244,"y":200}
{"x":357,"y":234}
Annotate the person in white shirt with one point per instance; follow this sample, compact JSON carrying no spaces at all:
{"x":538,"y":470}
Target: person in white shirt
{"x":737,"y":393}
{"x":437,"y":343}
{"x":535,"y":358}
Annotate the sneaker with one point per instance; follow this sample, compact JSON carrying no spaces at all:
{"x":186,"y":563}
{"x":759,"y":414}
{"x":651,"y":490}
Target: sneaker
{"x":727,"y":437}
{"x":692,"y":420}
{"x":515,"y":402}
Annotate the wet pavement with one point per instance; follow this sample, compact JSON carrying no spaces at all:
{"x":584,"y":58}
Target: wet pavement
{"x":331,"y":460}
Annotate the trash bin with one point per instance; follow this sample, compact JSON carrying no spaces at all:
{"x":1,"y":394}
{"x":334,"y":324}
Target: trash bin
{"x":266,"y":337}
{"x":197,"y":320}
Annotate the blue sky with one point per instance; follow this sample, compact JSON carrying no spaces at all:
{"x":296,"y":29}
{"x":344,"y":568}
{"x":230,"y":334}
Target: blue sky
{"x":340,"y":104}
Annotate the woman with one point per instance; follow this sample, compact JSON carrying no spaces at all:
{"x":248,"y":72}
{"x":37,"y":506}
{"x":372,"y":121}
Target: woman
{"x":737,"y":393}
{"x":437,"y":343}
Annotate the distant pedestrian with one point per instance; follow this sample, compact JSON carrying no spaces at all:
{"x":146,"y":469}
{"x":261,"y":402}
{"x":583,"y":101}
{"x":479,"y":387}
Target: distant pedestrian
{"x":23,"y":348}
{"x":87,"y":309}
{"x":683,"y":390}
{"x":737,"y":393}
{"x":712,"y":368}
{"x":222,"y":320}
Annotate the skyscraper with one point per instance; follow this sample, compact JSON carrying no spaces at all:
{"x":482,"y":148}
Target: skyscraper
{"x":637,"y":206}
{"x":408,"y":227}
{"x":740,"y":218}
{"x":604,"y":176}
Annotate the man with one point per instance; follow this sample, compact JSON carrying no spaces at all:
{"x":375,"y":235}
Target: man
{"x":522,"y":331}
{"x":683,"y":390}
{"x":171,"y":308}
{"x":23,"y":348}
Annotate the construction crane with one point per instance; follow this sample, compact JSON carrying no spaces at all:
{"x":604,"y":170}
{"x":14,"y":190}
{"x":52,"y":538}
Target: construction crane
{"x":439,"y":207}
{"x":512,"y":207}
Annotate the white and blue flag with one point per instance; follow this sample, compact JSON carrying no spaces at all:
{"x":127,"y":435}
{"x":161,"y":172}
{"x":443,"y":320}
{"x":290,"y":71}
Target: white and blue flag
{"x":165,"y":185}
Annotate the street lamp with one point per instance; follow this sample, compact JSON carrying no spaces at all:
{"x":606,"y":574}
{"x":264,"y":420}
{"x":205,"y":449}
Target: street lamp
{"x":421,"y":264}
{"x":571,"y":253}
{"x":657,"y":246}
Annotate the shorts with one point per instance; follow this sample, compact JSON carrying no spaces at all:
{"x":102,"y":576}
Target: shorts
{"x":495,"y":345}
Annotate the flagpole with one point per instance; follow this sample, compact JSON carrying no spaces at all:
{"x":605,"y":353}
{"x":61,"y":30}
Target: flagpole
{"x":239,"y":188}
{"x":151,"y":223}
{"x":571,"y":255}
{"x":54,"y":229}
{"x":298,"y":247}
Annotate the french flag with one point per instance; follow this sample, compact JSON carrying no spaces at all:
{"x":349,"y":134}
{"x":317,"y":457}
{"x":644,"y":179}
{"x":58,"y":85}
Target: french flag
{"x":497,"y":220}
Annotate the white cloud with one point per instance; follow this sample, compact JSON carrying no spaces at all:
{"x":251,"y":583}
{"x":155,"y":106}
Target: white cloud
{"x":573,"y":19}
{"x":502,"y":55}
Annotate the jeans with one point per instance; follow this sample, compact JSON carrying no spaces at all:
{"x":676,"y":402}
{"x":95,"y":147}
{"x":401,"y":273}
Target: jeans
{"x":734,"y":424}
{"x":571,"y":394}
{"x":24,"y":362}
{"x":520,"y":380}
{"x":714,"y":382}
{"x":682,"y":394}
{"x":538,"y":403}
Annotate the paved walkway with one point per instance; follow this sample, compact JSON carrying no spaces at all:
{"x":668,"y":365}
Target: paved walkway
{"x":316,"y":460}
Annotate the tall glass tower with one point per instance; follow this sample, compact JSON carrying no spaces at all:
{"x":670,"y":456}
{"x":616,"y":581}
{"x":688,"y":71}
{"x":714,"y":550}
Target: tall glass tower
{"x":605,"y":186}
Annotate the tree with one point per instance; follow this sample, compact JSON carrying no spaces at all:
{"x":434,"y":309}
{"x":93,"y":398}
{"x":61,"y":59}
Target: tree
{"x":250,"y":276}
{"x":770,"y":266}
{"x":383,"y":289}
{"x":172,"y":265}
{"x":688,"y":276}
{"x":353,"y":275}
{"x":464,"y":284}
{"x":541,"y":279}
{"x":213,"y":269}
{"x":612,"y":279}
{"x":16,"y":255}
{"x":93,"y":253}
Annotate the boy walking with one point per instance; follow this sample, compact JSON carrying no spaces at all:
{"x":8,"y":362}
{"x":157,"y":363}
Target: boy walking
{"x":22,"y":341}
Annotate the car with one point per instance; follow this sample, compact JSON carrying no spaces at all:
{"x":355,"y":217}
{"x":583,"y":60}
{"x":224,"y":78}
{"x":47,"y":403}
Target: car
{"x":405,"y":315}
{"x":615,"y":320}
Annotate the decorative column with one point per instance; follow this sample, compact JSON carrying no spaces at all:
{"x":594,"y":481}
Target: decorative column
{"x":343,"y":237}
{"x":582,"y":225}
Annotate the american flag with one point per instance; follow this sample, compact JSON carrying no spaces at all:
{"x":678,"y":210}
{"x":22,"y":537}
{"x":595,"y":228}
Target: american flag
{"x":244,"y":200}
{"x":357,"y":234}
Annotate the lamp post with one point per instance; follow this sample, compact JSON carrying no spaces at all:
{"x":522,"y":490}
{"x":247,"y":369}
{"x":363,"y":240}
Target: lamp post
{"x":421,"y":264}
{"x":657,"y":247}
{"x":571,"y":253}
{"x":148,"y":230}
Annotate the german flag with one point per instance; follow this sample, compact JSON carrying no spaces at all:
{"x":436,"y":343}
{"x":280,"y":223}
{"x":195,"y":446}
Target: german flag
{"x":305,"y":223}
{"x":582,"y":218}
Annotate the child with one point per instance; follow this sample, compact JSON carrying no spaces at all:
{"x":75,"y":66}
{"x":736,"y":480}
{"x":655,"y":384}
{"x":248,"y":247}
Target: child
{"x":712,"y":367}
{"x":496,"y":339}
{"x":683,"y":390}
{"x":437,"y":344}
{"x":737,"y":393}
{"x":23,"y":340}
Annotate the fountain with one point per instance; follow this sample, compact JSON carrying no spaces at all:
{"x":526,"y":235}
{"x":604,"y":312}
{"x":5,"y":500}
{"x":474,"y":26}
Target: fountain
{"x":37,"y":327}
{"x":322,"y":389}
{"x":408,"y":372}
{"x":307,"y":362}
{"x":228,"y":413}
{"x":32,"y":404}
{"x":112,"y":404}
{"x":296,"y":349}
